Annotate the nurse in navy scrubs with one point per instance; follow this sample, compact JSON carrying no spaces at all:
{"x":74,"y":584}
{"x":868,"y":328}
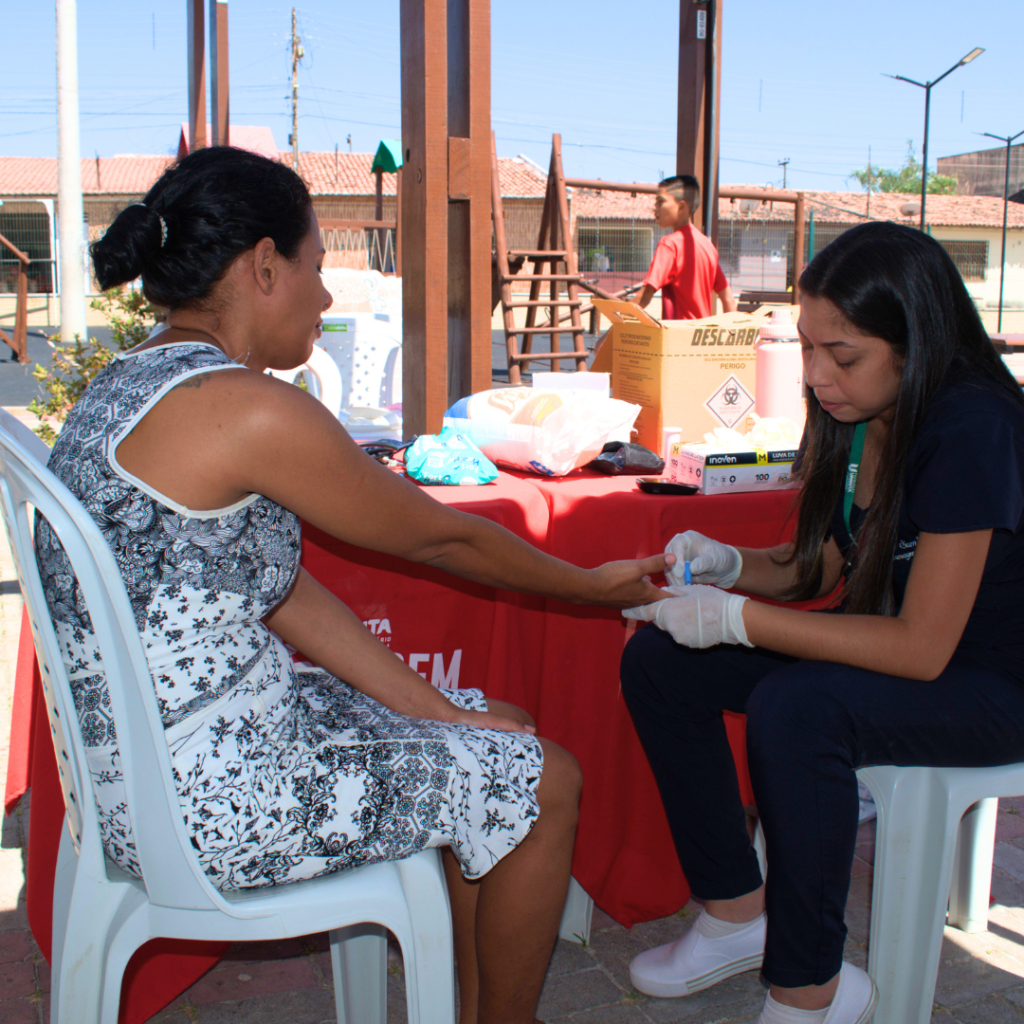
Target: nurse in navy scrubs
{"x":913,"y":494}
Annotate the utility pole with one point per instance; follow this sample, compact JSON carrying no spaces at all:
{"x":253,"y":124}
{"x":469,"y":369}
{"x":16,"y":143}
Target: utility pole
{"x":784,"y":164}
{"x":69,"y":177}
{"x":297,"y":54}
{"x":1009,"y":140}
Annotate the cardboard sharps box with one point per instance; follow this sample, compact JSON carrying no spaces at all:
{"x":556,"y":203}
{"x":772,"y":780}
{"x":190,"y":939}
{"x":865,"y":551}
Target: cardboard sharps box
{"x":692,"y":374}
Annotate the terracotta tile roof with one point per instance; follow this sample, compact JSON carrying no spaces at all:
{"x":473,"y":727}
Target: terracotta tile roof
{"x":118,"y":175}
{"x":833,"y":207}
{"x":134,"y":175}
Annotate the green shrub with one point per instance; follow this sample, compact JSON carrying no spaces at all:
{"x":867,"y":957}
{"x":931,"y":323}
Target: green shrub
{"x":75,"y":363}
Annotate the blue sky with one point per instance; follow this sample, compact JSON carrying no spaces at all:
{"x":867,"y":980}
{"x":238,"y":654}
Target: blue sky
{"x":800,"y":80}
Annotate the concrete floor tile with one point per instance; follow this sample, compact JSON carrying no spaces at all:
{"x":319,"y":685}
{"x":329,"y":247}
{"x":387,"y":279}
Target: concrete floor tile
{"x":19,"y":1011}
{"x":622,"y":1014}
{"x":233,"y":981}
{"x":738,"y":998}
{"x":15,"y":946}
{"x":569,"y":957}
{"x":306,"y":1006}
{"x":1007,"y":890}
{"x":966,"y":981}
{"x":614,"y":950}
{"x":17,"y":980}
{"x":600,"y":920}
{"x":584,"y":990}
{"x":992,"y":1010}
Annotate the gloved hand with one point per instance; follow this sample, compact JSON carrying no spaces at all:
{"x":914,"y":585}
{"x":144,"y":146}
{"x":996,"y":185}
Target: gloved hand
{"x":697,"y":616}
{"x":710,"y":561}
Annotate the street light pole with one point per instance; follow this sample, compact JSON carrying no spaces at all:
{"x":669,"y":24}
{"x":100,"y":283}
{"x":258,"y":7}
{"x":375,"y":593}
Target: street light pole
{"x":927,"y":86}
{"x":1008,"y":139}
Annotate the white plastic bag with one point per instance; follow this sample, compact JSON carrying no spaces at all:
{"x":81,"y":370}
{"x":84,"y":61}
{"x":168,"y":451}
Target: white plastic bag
{"x":547,"y":432}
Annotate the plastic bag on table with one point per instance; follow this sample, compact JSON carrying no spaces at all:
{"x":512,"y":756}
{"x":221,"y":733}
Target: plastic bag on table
{"x":448,"y":458}
{"x":546,"y":432}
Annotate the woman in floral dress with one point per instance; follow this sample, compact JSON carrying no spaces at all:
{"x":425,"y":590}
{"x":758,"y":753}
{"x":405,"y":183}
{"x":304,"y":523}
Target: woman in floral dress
{"x":197,"y":466}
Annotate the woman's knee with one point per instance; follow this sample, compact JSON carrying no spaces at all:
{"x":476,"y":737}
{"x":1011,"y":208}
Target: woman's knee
{"x":561,"y":782}
{"x":793,"y":706}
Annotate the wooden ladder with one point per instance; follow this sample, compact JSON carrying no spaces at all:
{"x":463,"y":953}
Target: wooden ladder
{"x":554,"y":246}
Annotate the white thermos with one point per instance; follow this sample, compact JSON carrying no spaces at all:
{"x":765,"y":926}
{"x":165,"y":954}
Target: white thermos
{"x":779,"y":380}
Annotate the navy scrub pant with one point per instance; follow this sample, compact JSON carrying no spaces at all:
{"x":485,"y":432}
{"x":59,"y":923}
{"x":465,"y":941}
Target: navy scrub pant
{"x":810,"y":725}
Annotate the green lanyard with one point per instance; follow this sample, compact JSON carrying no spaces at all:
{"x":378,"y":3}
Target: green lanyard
{"x":852,"y":469}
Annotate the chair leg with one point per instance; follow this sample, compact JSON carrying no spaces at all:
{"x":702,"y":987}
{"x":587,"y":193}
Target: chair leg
{"x":972,"y":867}
{"x":429,"y":962}
{"x":913,"y":864}
{"x":359,"y":961}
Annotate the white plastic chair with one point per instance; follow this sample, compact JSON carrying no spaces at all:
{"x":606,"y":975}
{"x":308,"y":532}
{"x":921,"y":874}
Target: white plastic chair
{"x":935,"y":838}
{"x":34,"y":444}
{"x":322,"y":376}
{"x":101,"y":914}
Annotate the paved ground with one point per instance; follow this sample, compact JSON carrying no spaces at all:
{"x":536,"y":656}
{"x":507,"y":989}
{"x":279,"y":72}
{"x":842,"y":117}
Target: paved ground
{"x":981,"y":977}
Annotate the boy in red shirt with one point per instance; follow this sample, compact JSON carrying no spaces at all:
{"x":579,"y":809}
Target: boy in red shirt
{"x":685,"y":265}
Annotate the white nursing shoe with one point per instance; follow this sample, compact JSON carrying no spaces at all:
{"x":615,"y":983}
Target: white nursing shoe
{"x":855,"y":998}
{"x":853,"y":1003}
{"x":696,"y":962}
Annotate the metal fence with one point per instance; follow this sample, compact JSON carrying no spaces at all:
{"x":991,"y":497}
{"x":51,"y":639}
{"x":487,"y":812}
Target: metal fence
{"x":29,"y":231}
{"x":359,"y":248}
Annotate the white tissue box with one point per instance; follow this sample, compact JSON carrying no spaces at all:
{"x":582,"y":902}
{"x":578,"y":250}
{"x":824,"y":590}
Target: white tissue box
{"x":718,"y":471}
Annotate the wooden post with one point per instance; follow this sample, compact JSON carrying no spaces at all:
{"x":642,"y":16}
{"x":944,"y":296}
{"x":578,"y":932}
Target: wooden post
{"x":219,"y":73}
{"x":697,"y":112}
{"x":21,"y":316}
{"x":19,"y":343}
{"x":445,"y":206}
{"x":424,"y":216}
{"x":196,"y":76}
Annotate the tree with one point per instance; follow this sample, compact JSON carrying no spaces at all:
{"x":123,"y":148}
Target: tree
{"x":76,"y":362}
{"x":906,"y":179}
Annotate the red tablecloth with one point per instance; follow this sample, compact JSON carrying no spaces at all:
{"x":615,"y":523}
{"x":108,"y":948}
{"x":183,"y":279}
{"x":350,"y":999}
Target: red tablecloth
{"x":558,"y":661}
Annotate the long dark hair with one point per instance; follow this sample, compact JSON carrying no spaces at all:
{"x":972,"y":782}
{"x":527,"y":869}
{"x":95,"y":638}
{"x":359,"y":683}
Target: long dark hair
{"x":898,"y":284}
{"x":203,"y":212}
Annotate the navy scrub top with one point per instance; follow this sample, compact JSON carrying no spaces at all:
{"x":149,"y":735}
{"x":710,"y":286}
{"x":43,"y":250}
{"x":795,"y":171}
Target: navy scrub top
{"x":966,"y":472}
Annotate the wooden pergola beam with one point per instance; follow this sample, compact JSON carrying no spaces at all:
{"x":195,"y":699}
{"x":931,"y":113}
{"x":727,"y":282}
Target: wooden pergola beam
{"x":195,"y":32}
{"x":700,"y":71}
{"x":445,"y":207}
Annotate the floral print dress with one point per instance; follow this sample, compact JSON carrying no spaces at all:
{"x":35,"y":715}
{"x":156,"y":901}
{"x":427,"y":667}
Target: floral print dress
{"x":284,"y":772}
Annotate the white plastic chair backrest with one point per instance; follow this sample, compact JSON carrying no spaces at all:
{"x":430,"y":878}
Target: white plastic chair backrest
{"x":33,"y":443}
{"x":323,"y":378}
{"x":172,"y":874}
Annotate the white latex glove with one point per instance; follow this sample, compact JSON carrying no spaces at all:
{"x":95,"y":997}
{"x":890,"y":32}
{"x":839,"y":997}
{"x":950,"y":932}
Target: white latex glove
{"x":710,"y":561}
{"x":697,"y":616}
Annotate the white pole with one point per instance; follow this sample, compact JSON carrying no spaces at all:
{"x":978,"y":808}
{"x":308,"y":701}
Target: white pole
{"x":69,"y":176}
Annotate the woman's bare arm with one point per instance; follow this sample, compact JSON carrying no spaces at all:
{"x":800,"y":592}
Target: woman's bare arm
{"x":917,"y":643}
{"x":313,"y":620}
{"x":767,"y":574}
{"x":233,"y":432}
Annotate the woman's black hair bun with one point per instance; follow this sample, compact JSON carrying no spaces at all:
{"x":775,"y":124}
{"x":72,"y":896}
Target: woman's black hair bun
{"x":217,"y":202}
{"x":129,"y":246}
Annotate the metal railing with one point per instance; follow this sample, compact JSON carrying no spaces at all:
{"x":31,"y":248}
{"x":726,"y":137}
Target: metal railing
{"x":19,"y":343}
{"x":361,"y":245}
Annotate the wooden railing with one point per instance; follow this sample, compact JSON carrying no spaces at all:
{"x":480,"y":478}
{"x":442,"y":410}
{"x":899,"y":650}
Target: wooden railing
{"x":19,"y":343}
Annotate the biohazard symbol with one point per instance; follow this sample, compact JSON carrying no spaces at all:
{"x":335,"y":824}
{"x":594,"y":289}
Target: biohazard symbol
{"x":730,"y":403}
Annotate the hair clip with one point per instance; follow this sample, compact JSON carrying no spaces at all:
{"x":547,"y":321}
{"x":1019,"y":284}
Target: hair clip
{"x":163,"y":224}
